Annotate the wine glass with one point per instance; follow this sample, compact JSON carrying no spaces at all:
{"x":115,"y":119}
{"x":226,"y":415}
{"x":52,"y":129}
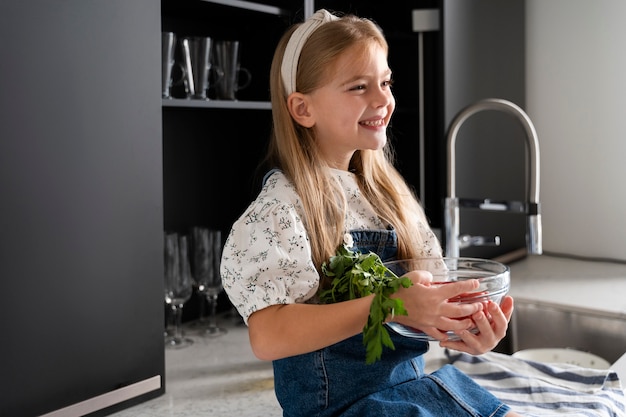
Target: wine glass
{"x":178,"y":285}
{"x":207,"y":254}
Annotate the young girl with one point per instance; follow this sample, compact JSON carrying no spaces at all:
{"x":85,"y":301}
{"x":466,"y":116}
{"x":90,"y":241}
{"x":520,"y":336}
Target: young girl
{"x":332,"y":103}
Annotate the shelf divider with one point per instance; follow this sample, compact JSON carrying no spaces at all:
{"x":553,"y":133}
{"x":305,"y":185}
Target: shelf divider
{"x":217,"y":104}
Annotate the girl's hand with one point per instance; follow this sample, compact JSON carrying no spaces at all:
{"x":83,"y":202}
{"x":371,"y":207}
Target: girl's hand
{"x":491,"y":324}
{"x":429,"y":307}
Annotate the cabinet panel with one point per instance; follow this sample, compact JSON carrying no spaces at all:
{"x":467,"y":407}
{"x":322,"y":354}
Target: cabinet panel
{"x":80,"y":185}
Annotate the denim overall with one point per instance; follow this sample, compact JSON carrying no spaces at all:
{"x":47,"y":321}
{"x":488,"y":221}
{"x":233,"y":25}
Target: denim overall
{"x":335,"y":381}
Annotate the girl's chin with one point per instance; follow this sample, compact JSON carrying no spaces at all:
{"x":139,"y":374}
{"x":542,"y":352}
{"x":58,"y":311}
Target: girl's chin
{"x":378,"y":144}
{"x":374,"y":141}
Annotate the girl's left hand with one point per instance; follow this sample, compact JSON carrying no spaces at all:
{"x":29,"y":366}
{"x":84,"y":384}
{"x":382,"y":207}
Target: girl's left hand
{"x":491,"y":322}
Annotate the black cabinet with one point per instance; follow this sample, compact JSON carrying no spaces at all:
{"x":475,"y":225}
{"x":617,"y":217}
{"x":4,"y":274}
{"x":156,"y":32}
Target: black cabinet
{"x":81,"y":252}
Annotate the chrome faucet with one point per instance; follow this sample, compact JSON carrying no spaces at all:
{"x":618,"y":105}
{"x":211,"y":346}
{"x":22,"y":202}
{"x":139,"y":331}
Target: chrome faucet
{"x":454,"y":241}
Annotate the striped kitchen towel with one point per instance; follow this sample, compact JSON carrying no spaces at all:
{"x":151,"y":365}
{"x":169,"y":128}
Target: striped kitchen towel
{"x":539,"y":390}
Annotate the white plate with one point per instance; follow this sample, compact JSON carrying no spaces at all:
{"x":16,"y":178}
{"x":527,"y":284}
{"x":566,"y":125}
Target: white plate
{"x":568,"y":356}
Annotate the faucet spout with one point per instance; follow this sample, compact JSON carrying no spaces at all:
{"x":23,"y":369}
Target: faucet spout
{"x":451,"y":215}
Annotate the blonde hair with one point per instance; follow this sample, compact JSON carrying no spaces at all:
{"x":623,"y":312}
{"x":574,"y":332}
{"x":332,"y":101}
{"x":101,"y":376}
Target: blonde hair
{"x":292,"y":149}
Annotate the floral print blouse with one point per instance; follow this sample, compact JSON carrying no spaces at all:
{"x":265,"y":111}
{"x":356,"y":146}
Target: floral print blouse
{"x":267,"y":256}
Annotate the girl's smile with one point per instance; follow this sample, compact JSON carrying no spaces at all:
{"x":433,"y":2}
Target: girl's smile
{"x":374,"y":123}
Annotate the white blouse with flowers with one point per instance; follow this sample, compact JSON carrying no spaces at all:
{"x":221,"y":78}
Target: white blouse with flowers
{"x":267,"y":255}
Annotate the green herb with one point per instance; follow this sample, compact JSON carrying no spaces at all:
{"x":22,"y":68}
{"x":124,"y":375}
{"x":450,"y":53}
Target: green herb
{"x":356,"y":275}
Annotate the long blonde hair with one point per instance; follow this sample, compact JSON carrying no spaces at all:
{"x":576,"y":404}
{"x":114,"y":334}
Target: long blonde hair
{"x":293,"y":149}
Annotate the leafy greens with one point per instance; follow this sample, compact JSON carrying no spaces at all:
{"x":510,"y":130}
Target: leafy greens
{"x":356,"y":275}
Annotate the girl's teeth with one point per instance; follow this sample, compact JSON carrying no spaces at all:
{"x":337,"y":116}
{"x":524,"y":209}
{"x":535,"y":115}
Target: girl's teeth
{"x":379,"y":122}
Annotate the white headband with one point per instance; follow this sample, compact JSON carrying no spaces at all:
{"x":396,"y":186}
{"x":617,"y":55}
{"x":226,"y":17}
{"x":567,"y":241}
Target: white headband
{"x":298,"y":38}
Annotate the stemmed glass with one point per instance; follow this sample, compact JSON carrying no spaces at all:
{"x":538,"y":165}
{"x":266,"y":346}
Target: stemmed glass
{"x":207,"y":255}
{"x":178,"y":285}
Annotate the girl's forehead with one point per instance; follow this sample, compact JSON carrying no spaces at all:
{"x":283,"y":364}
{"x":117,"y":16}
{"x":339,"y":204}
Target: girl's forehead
{"x":361,"y":58}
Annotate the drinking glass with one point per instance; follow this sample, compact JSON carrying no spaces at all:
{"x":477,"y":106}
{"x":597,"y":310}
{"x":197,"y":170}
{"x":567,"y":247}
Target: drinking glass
{"x":227,"y":59}
{"x":207,"y":255}
{"x":178,"y":285}
{"x":168,"y":45}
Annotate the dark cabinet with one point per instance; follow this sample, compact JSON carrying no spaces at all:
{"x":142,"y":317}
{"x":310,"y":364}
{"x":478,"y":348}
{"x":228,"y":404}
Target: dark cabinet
{"x":81,"y":206}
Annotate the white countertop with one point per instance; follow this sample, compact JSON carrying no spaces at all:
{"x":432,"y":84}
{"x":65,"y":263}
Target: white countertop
{"x":582,"y":285}
{"x":213,"y":377}
{"x":221,"y":376}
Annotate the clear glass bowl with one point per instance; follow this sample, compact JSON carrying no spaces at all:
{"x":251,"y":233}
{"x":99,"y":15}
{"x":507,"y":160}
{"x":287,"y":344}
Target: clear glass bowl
{"x":493,"y":277}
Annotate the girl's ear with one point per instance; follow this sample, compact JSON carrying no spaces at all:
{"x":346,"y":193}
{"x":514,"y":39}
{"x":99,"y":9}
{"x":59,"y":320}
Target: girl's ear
{"x":298,"y":106}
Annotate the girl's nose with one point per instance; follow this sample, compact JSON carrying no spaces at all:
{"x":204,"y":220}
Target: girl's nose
{"x":382,"y":97}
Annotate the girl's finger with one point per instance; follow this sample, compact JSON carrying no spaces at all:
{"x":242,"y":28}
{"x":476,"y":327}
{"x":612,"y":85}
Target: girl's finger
{"x":460,"y":310}
{"x":455,"y":289}
{"x":436,"y":333}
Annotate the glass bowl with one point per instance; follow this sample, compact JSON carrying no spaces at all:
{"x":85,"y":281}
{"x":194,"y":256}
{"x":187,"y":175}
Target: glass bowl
{"x":493,"y":277}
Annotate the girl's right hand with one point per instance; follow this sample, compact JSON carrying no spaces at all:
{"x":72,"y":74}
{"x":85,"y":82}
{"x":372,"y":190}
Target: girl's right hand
{"x":429,"y":308}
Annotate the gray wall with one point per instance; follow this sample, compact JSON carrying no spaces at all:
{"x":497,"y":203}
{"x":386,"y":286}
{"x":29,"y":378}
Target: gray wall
{"x":80,"y":200}
{"x":576,"y":95}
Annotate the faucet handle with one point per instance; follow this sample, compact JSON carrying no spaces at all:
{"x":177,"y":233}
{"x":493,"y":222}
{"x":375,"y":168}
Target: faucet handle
{"x":465,"y":241}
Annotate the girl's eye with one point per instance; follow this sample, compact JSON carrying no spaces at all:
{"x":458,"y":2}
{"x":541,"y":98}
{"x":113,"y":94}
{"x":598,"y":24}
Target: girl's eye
{"x":358,"y":87}
{"x":387,"y":83}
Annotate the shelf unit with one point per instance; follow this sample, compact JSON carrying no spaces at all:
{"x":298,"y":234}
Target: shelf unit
{"x":237,"y":104}
{"x":211,"y":148}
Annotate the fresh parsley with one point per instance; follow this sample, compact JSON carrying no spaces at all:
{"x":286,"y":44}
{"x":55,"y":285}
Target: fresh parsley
{"x":356,"y":275}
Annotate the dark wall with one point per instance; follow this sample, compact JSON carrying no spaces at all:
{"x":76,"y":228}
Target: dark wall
{"x":80,"y":200}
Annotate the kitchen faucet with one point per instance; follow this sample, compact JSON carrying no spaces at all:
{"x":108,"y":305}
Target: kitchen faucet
{"x":454,"y":241}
